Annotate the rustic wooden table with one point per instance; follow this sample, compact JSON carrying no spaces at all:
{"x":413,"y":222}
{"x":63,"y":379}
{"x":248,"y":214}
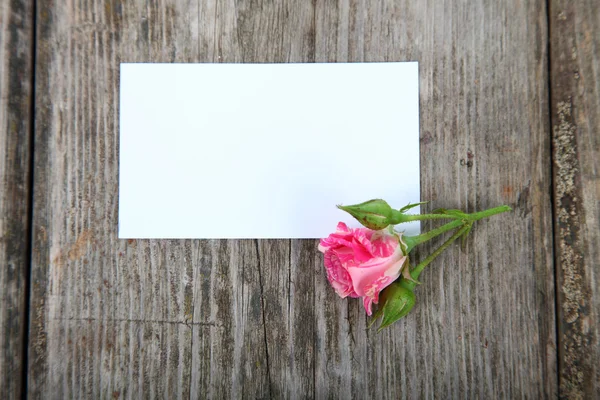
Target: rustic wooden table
{"x":510,"y":113}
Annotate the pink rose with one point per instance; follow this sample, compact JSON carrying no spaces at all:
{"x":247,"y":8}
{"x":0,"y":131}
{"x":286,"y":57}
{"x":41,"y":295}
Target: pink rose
{"x":361,"y":262}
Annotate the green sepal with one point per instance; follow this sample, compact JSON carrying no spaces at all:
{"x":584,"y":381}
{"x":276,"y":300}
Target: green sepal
{"x":406,"y":273}
{"x":399,"y":216}
{"x":412,"y":205}
{"x":403,"y":246}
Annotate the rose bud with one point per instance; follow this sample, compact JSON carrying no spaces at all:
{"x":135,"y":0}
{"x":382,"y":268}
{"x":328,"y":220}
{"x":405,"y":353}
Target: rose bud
{"x":373,"y":214}
{"x":396,"y":302}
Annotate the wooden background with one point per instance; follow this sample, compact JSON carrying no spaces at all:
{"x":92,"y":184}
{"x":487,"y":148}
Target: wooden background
{"x":510,"y":113}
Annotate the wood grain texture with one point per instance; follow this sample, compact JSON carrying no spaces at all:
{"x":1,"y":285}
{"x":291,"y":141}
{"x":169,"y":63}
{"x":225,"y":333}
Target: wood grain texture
{"x":227,"y":318}
{"x":16,"y":51}
{"x":483,"y":326}
{"x":575,"y":80}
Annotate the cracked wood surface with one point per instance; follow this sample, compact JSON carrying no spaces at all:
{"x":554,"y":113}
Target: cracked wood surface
{"x":226,"y":318}
{"x":16,"y":44}
{"x":575,"y":79}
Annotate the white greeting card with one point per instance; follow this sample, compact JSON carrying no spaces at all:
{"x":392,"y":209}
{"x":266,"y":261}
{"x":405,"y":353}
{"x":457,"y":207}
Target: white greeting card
{"x":263,"y":150}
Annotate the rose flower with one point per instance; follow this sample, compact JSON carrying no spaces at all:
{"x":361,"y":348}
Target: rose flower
{"x":361,"y":262}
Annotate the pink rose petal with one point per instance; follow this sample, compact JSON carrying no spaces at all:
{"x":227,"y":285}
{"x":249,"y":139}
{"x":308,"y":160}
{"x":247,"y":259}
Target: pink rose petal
{"x":361,"y":262}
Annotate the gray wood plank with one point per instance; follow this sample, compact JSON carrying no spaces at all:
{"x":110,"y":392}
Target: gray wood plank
{"x":16,"y":52}
{"x":132,"y":318}
{"x":218,"y":319}
{"x":575,"y":80}
{"x":484,"y":323}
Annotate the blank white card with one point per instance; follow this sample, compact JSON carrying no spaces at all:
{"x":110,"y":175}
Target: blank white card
{"x":263,"y":150}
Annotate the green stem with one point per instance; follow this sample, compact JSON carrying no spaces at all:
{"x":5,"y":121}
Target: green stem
{"x":412,"y":241}
{"x":419,"y":268}
{"x":424,"y":217}
{"x":488,"y":213}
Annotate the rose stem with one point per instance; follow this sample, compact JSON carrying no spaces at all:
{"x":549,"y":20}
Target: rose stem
{"x":423,"y":217}
{"x":488,"y":213}
{"x":471,"y":217}
{"x":412,"y":241}
{"x":419,"y":268}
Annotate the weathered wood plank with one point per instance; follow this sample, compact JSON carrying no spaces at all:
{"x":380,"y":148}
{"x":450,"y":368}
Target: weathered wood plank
{"x":483,"y":326}
{"x":575,"y":80}
{"x":16,"y":60}
{"x":126,"y":318}
{"x":220,"y":319}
